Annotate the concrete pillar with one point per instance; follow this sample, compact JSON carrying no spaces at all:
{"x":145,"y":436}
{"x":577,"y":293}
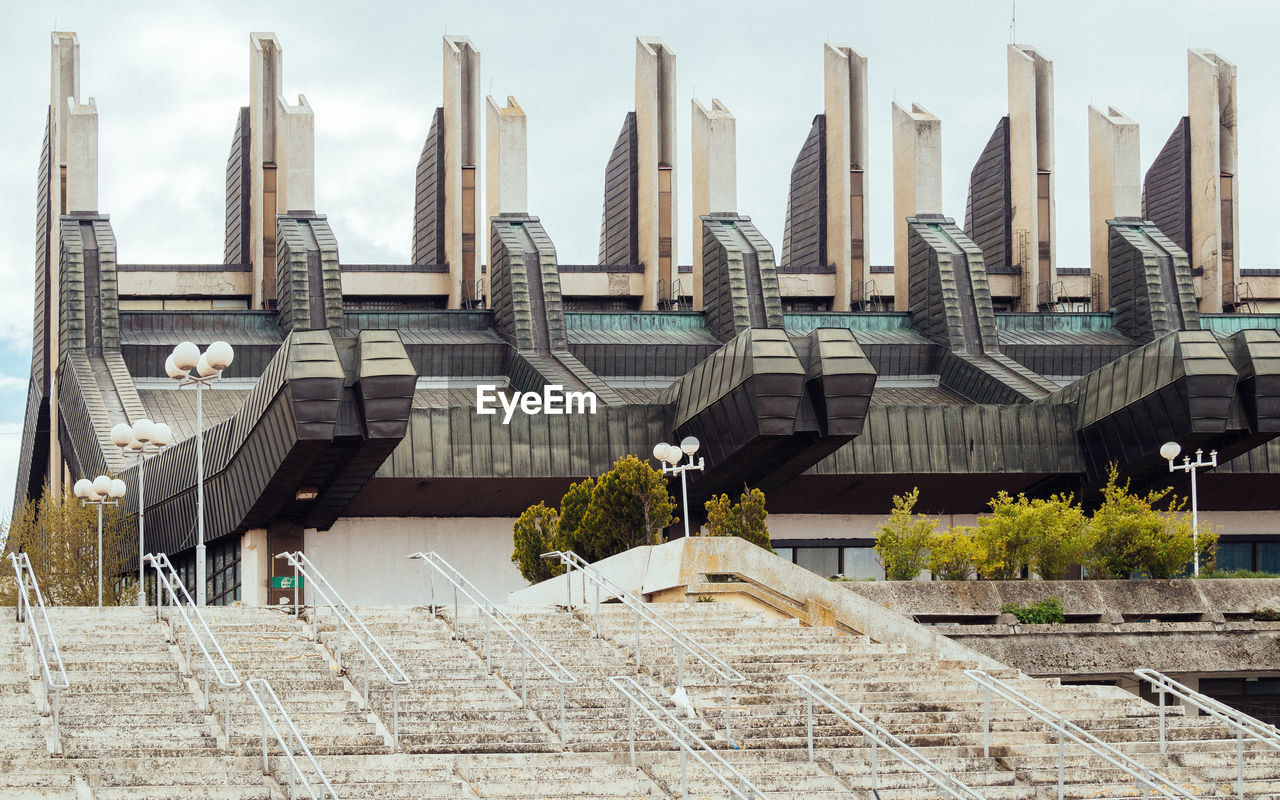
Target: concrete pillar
{"x":462,"y":168}
{"x":656,"y":168}
{"x":64,"y":88}
{"x":1215,"y":225}
{"x":848,"y":216}
{"x":255,"y":567}
{"x":265,"y":76}
{"x":296,"y":151}
{"x":1031,"y":178}
{"x":506,"y":157}
{"x":715,"y":176}
{"x":917,"y":183}
{"x":1115,"y":188}
{"x":81,"y":124}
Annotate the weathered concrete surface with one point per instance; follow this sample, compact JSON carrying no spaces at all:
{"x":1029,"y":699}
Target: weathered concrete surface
{"x":1093,"y":601}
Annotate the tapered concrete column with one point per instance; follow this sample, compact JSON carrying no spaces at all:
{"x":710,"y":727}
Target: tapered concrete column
{"x":1115,"y":187}
{"x":715,"y":176}
{"x":1031,"y":178}
{"x":506,"y":176}
{"x":462,"y":167}
{"x":848,"y":216}
{"x":296,"y":151}
{"x":1215,"y":225}
{"x":917,"y":183}
{"x":81,"y":122}
{"x":255,"y":567}
{"x":656,"y":168}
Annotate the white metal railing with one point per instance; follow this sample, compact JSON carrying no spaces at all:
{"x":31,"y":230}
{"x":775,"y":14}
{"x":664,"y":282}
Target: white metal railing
{"x":690,"y":743}
{"x":373,"y":654}
{"x":1243,"y":724}
{"x":1066,"y":729}
{"x":46,"y":659}
{"x":878,"y":737}
{"x":684,"y":644}
{"x":257,"y":687}
{"x":217,"y":666}
{"x":494,"y":617}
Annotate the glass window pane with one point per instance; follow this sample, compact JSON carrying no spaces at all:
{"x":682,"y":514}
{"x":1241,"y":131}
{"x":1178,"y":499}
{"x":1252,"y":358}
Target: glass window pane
{"x":1234,"y":555}
{"x":785,"y":553}
{"x":1269,"y":557}
{"x":823,"y":560}
{"x":860,"y":563}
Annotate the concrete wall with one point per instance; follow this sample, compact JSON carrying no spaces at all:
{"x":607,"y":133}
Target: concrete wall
{"x":395,"y":283}
{"x":184,"y":284}
{"x":365,"y":557}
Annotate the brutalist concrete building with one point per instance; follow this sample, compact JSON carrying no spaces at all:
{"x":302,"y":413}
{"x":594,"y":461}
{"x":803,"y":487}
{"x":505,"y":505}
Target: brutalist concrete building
{"x":348,"y":424}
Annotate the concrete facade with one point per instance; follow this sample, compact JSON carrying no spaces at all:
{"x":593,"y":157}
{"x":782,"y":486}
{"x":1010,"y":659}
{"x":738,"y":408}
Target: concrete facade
{"x":462,"y":210}
{"x":656,"y":168}
{"x":848,"y":213}
{"x":917,"y":183}
{"x":715,"y":175}
{"x":1031,"y":177}
{"x":1115,"y":184}
{"x":1215,"y":227}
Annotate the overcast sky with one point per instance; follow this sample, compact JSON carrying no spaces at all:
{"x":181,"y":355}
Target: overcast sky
{"x":168,"y":79}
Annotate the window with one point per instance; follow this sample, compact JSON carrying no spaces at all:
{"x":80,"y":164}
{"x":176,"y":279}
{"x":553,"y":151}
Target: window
{"x":1234,"y":555}
{"x":861,"y":563}
{"x":825,"y":561}
{"x":1269,"y":557}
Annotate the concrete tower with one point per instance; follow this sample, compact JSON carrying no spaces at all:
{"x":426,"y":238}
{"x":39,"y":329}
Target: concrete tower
{"x":656,"y":168}
{"x":715,"y":175}
{"x":1115,"y":188}
{"x":917,"y":184}
{"x":848,"y":215}
{"x":461,"y":167}
{"x":1031,"y":180}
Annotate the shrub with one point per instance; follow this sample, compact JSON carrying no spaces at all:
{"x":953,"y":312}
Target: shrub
{"x":902,"y":542}
{"x":744,"y":519}
{"x":1133,"y":537}
{"x":1045,"y":536}
{"x":535,"y":532}
{"x":1045,"y":612}
{"x":951,"y":554}
{"x":630,"y":505}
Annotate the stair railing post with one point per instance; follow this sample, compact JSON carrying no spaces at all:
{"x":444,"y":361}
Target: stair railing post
{"x":1162,"y":740}
{"x":637,"y":642}
{"x":262,"y":717}
{"x":875,"y":766}
{"x":488,"y":656}
{"x":809,"y":719}
{"x":1061,"y":759}
{"x":395,"y":714}
{"x":564,"y":734}
{"x":524,"y":677}
{"x":679,"y":668}
{"x":568,"y":586}
{"x":728,"y":708}
{"x":226,"y":715}
{"x":455,"y":611}
{"x":1240,"y":764}
{"x":684,"y":771}
{"x":631,"y":730}
{"x":337,"y":624}
{"x":986,"y":721}
{"x":597,"y":583}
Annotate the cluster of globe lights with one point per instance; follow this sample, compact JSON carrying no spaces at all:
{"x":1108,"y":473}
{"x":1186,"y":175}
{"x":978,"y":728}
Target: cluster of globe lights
{"x":672,"y":454}
{"x":135,"y":438}
{"x":100,"y":488}
{"x":187,"y":356}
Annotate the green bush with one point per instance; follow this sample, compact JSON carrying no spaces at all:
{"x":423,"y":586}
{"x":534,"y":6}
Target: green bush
{"x":535,"y":532}
{"x":744,"y":519}
{"x":1046,"y":612}
{"x":902,"y":542}
{"x":1134,"y":537}
{"x":951,"y":554}
{"x":1044,"y":536}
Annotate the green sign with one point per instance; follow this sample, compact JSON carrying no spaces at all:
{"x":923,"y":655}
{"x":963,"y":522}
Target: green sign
{"x":289,"y":582}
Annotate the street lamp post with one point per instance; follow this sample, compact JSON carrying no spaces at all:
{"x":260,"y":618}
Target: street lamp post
{"x":1169,"y":451}
{"x":141,"y":441}
{"x":101,"y":491}
{"x":669,"y":455}
{"x":207,"y":368}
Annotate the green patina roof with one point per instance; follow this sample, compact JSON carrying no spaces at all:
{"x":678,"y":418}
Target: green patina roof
{"x":1230,"y":323}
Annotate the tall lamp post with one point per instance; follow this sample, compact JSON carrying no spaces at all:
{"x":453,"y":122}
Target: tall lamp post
{"x":670,"y":455}
{"x":101,"y":491}
{"x":208,"y":368}
{"x":141,"y":441}
{"x":1169,"y":451}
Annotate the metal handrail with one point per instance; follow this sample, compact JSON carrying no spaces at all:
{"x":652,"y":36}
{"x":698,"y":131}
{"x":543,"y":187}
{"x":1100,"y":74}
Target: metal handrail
{"x":879,"y":737}
{"x":52,"y":680}
{"x":530,"y":648}
{"x":347,"y":618}
{"x":1243,"y":724}
{"x":169,"y":582}
{"x":683,"y":642}
{"x":296,"y":775}
{"x":1065,"y":729}
{"x":683,"y":736}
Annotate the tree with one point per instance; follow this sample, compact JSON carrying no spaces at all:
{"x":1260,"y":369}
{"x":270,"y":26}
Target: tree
{"x":535,"y":532}
{"x":744,"y":519}
{"x":1044,"y":535}
{"x":1062,"y":537}
{"x":61,"y":539}
{"x":573,"y":509}
{"x":951,"y":554}
{"x":630,"y":505}
{"x":1134,"y":537}
{"x":902,"y":542}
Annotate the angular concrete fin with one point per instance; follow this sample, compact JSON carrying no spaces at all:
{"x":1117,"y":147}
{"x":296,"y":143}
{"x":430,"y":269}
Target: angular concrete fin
{"x":1166,"y":188}
{"x":656,"y":169}
{"x":804,"y":242}
{"x":917,"y":183}
{"x":239,"y":193}
{"x":987,"y":213}
{"x":1031,"y":172}
{"x":847,"y":215}
{"x":619,"y":235}
{"x":1115,"y":187}
{"x":715,"y":180}
{"x":428,"y":198}
{"x":462,"y":151}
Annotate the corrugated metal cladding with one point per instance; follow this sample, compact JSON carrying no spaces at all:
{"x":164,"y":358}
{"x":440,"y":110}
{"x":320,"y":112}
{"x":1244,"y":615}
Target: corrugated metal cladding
{"x":428,"y":201}
{"x":804,"y":240}
{"x":987,"y":215}
{"x":236,"y":250}
{"x":1166,"y":190}
{"x":619,"y":226}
